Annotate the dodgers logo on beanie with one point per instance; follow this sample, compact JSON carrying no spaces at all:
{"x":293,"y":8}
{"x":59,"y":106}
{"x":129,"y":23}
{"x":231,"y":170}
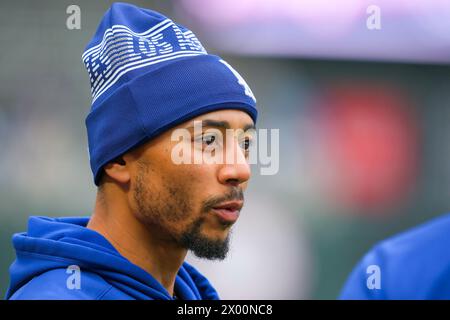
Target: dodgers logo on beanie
{"x":149,"y":74}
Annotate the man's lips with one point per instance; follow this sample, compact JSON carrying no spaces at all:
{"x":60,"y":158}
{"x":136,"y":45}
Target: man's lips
{"x":228,"y":211}
{"x":230,"y":205}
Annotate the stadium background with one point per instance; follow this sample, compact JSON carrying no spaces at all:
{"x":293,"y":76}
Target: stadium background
{"x":363,"y":116}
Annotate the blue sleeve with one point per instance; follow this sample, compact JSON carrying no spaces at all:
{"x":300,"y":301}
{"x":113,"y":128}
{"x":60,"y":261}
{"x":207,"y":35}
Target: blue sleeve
{"x":52,"y":285}
{"x":412,"y":265}
{"x":366,"y":281}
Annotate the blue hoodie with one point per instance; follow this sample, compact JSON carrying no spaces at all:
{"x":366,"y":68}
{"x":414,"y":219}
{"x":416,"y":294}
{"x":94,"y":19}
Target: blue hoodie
{"x":413,"y":265}
{"x":47,"y":253}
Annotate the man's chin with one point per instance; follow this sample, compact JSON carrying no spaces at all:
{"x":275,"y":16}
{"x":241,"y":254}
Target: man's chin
{"x":206,"y":248}
{"x":211,"y":254}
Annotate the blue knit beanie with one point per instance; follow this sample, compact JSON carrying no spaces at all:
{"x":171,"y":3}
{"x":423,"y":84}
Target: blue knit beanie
{"x":149,"y":74}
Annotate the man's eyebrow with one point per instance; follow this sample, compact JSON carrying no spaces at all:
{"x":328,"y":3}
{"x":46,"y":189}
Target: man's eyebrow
{"x":222,"y":124}
{"x":249,"y":126}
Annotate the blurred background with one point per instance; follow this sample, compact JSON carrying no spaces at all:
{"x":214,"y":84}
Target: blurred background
{"x":360,"y":92}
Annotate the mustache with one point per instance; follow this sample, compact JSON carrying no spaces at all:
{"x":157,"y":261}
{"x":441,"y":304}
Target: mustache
{"x":235,"y":194}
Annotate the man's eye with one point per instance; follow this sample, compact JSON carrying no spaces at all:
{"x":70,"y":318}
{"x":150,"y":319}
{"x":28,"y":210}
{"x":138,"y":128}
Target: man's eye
{"x":246,"y":143}
{"x":209,"y":139}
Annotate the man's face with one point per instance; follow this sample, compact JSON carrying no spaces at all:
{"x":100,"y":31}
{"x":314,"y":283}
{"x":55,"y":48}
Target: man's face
{"x":194,"y":205}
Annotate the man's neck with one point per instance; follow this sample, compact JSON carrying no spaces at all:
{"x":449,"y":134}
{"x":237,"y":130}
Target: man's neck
{"x":159,"y":257}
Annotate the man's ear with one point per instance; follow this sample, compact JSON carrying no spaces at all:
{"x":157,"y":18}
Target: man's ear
{"x":118,"y":170}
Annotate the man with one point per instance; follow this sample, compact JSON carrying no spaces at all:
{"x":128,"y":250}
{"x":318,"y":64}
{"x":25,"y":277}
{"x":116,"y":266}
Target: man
{"x":414,"y":265}
{"x":150,"y":78}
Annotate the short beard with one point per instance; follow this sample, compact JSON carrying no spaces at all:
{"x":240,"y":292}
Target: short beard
{"x":158,"y":212}
{"x":203,"y":247}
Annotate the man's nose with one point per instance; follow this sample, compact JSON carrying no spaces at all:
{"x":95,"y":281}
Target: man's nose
{"x":236,"y":169}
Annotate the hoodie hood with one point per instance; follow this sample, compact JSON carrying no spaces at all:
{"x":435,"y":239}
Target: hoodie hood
{"x":57,"y":243}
